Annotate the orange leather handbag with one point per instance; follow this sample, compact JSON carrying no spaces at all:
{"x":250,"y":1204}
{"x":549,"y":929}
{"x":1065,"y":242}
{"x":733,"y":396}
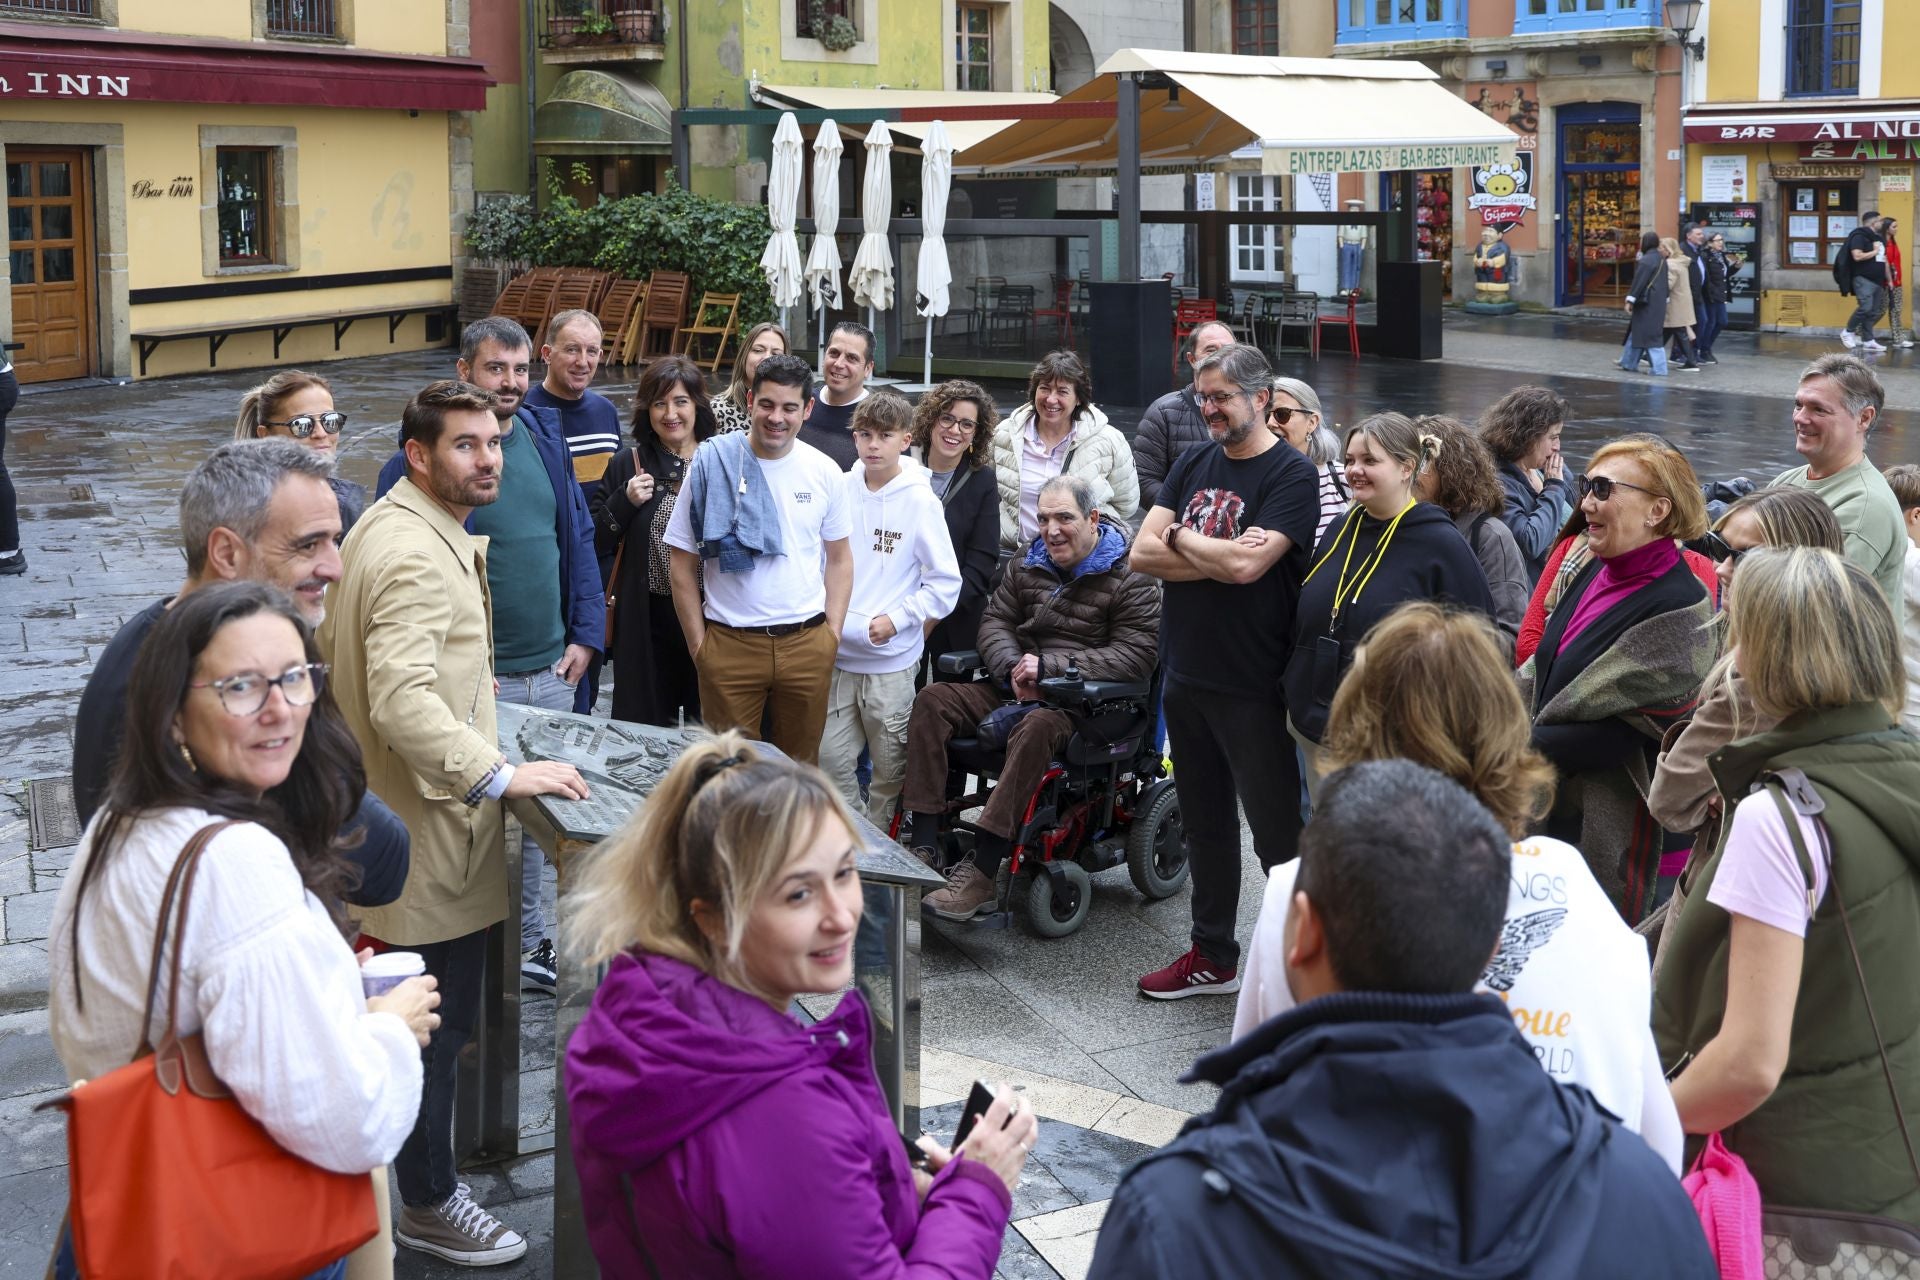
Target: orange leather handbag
{"x":170,"y":1179}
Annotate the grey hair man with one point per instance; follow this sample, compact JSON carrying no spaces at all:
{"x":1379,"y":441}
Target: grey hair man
{"x":262,"y":511}
{"x":590,"y":422}
{"x":1175,"y":423}
{"x":1834,"y":409}
{"x":1229,"y":535}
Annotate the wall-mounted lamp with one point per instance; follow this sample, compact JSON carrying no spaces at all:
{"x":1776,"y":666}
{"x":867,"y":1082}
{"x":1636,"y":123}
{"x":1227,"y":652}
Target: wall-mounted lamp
{"x":1684,"y":16}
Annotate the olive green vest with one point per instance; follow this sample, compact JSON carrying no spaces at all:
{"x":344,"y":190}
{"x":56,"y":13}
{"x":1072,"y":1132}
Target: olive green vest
{"x":1826,"y":1138}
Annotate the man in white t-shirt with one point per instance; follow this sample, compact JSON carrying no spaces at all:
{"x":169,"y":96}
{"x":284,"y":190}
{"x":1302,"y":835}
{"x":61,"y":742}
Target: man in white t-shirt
{"x":763,"y":625}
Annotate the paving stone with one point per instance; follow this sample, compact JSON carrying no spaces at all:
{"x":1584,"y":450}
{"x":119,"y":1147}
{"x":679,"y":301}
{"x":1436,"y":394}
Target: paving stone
{"x":29,"y":916}
{"x":23,"y":976}
{"x":28,"y":1063}
{"x":36,"y":1201}
{"x":31,"y":1139}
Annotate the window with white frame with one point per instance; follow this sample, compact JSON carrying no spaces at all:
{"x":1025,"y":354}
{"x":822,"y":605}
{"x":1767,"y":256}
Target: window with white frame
{"x":1257,"y":249}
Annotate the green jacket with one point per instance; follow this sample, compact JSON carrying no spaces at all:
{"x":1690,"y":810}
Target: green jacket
{"x":1826,"y":1138}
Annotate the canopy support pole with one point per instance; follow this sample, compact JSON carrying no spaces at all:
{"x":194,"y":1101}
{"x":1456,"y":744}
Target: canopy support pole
{"x":1126,"y":183}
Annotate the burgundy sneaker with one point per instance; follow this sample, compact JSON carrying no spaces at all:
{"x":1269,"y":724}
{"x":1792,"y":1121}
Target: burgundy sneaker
{"x":1191,"y":975}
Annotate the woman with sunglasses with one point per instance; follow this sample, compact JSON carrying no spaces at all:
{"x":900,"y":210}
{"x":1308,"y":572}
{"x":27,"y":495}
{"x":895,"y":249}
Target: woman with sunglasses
{"x":1683,"y":797}
{"x":1622,"y":658}
{"x":953,"y":428}
{"x":1294,"y":416}
{"x":298,"y":404}
{"x":229,"y":720}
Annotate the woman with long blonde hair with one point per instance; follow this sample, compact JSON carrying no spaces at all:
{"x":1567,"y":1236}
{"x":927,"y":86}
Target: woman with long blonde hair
{"x":730,"y":408}
{"x":299,"y":405}
{"x":713,"y":1133}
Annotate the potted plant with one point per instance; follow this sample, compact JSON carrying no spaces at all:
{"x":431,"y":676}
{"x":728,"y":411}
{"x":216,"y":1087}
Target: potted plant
{"x":565,"y":21}
{"x":834,"y":31}
{"x":597,"y":28}
{"x":635,"y":23}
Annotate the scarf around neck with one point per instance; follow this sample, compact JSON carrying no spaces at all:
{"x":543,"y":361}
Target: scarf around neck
{"x":1619,"y":578}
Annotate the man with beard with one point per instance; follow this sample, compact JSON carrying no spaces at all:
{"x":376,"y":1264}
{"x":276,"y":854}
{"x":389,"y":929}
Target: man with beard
{"x":410,"y":640}
{"x":1230,"y":535}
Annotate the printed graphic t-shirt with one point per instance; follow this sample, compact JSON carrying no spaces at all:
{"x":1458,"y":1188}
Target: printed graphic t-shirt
{"x":1225,"y":636}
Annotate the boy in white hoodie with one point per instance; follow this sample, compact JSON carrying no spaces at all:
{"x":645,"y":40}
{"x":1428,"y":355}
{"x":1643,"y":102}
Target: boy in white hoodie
{"x":905,"y":580}
{"x":1904,"y":480}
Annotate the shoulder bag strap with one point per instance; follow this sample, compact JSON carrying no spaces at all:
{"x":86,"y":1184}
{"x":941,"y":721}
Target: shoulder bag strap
{"x":180,"y":887}
{"x":619,"y":552}
{"x":1808,"y":801}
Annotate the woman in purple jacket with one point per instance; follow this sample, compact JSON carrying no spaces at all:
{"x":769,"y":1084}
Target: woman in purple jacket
{"x":713,"y":1134}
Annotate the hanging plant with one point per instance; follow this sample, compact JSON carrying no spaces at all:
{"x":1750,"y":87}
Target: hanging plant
{"x":834,"y":31}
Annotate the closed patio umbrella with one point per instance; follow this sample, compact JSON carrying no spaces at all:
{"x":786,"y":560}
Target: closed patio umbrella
{"x":823,"y":259}
{"x":872,"y":274}
{"x":934,"y":274}
{"x":781,"y":261}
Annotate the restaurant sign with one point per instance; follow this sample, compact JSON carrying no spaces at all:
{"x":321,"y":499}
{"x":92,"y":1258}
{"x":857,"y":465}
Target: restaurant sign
{"x":1294,"y":161}
{"x":19,"y":82}
{"x":1897,"y":150}
{"x":1775,"y":128}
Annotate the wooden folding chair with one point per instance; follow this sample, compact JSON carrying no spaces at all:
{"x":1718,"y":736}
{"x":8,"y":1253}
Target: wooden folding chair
{"x":513,"y":298}
{"x":618,"y":305}
{"x":660,"y":320}
{"x":579,"y":289}
{"x":636,"y":329}
{"x":537,"y":306}
{"x":727,"y":307}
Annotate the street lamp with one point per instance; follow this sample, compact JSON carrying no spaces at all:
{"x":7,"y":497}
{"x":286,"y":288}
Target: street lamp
{"x":1684,"y":16}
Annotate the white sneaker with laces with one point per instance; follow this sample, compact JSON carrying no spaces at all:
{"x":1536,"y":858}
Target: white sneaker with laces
{"x":1847,"y":339}
{"x":1871,"y":345}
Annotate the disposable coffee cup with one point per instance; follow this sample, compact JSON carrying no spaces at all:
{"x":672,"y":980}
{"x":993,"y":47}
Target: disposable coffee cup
{"x":388,"y":970}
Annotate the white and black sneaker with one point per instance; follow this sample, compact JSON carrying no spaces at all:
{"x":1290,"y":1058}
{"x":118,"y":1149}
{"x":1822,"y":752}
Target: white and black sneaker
{"x":540,"y":968}
{"x":459,"y":1231}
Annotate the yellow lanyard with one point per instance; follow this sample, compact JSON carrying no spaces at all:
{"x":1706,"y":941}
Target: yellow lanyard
{"x":1365,"y":571}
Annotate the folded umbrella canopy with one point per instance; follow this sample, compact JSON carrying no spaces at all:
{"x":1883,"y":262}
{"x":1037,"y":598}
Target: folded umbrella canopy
{"x":781,"y":261}
{"x":872,"y":274}
{"x":935,"y":273}
{"x":823,"y":259}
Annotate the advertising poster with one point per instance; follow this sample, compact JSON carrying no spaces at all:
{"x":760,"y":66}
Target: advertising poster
{"x":1501,"y":195}
{"x":1723,"y":179}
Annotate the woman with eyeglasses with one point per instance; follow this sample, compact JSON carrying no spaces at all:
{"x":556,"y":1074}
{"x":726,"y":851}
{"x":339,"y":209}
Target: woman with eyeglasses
{"x":730,"y":408}
{"x":1294,"y":416}
{"x":1683,"y":797}
{"x":1720,"y":268}
{"x":229,"y":721}
{"x":714,"y":1133}
{"x":1388,"y":549}
{"x":953,"y":428}
{"x":1622,"y":658}
{"x":299,"y":405}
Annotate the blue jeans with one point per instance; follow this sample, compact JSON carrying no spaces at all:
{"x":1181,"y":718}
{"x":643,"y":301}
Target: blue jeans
{"x":65,"y":1268}
{"x":1351,"y":256}
{"x":1713,"y":322}
{"x":547,"y":691}
{"x":1630,"y":358}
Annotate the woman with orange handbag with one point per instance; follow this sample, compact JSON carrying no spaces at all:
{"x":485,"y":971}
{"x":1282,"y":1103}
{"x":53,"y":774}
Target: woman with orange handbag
{"x":229,"y":722}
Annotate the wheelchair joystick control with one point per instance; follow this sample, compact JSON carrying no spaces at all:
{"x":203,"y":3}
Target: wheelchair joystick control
{"x":1070,"y":681}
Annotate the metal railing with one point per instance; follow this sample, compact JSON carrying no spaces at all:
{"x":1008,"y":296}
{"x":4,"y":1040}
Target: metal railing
{"x":300,"y":18}
{"x":561,"y":24}
{"x":1823,"y":58}
{"x":65,"y":8}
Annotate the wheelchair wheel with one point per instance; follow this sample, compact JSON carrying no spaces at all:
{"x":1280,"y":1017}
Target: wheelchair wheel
{"x":1057,"y":915}
{"x":1157,"y":846}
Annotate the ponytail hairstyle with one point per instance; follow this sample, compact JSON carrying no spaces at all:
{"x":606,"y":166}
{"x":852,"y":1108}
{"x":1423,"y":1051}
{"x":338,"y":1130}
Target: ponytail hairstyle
{"x":716,"y":831}
{"x":1402,"y":439}
{"x":262,"y":403}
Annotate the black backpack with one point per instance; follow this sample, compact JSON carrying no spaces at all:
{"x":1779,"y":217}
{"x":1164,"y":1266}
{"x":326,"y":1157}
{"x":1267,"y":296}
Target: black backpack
{"x":1843,"y":270}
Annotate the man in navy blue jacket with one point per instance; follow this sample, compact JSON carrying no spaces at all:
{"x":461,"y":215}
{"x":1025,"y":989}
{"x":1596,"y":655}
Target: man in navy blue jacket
{"x":549,"y":616}
{"x":1394,"y":1124}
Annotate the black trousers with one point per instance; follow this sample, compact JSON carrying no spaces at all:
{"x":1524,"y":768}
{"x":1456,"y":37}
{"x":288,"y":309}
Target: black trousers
{"x":1229,"y":747}
{"x":425,"y":1167}
{"x":9,"y":513}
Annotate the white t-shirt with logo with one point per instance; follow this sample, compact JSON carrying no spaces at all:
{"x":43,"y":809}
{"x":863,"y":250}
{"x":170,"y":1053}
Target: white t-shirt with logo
{"x":810,"y":494}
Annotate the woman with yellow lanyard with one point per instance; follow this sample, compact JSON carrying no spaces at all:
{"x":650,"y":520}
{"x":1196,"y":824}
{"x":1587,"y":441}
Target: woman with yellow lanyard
{"x":1387,"y":550}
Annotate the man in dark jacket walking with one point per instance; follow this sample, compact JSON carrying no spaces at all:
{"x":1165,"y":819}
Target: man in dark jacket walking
{"x":1072,"y":597}
{"x":1395,"y":1124}
{"x":1174,"y":423}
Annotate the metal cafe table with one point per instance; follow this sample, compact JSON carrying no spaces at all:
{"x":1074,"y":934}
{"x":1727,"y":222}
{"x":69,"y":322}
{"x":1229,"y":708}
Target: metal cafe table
{"x":621,"y":763}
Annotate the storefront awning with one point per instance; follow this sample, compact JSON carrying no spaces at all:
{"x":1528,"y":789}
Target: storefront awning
{"x":43,"y":62}
{"x":1789,"y":122}
{"x":1308,"y":115}
{"x":907,"y":133}
{"x":597,"y":113}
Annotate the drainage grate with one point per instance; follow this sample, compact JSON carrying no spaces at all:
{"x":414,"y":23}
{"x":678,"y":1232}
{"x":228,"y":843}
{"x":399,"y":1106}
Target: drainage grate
{"x":47,"y":495}
{"x":52,"y":822}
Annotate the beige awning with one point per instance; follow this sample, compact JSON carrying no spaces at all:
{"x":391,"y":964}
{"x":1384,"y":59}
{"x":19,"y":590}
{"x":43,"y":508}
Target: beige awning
{"x":1307,"y":115}
{"x":961,"y":133}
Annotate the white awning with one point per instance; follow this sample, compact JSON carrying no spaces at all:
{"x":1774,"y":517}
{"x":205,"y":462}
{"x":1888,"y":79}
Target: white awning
{"x":961,"y":133}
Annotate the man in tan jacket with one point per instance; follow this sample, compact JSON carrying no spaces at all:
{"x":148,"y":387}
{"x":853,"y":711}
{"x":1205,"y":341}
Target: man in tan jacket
{"x":409,"y":639}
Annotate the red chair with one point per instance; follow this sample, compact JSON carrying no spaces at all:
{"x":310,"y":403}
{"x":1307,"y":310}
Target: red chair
{"x":1347,"y":322}
{"x":1189,"y":314}
{"x":1061,"y":312}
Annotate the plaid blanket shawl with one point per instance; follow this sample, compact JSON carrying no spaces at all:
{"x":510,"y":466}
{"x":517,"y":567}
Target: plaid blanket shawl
{"x":1650,"y":679}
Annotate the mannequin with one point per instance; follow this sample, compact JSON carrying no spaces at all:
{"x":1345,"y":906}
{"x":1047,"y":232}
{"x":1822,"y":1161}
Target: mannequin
{"x":1353,"y":250}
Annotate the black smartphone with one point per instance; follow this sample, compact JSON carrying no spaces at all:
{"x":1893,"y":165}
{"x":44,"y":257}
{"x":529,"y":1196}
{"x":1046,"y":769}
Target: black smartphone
{"x":915,"y":1156}
{"x":978,"y":1100}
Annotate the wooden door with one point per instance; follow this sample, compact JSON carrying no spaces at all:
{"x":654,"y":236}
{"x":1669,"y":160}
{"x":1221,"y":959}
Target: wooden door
{"x":49,"y":245}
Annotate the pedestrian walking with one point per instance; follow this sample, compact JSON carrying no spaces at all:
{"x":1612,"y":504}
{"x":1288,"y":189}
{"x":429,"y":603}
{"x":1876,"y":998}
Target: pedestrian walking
{"x":1898,"y":334}
{"x":1863,"y":260}
{"x":1646,"y":308}
{"x":295,"y":404}
{"x":13,"y":561}
{"x":1679,"y":320}
{"x":1229,"y":539}
{"x":1715,"y":292}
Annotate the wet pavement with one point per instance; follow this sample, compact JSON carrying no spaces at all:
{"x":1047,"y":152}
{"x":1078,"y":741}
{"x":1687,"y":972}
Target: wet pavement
{"x":98,"y":469}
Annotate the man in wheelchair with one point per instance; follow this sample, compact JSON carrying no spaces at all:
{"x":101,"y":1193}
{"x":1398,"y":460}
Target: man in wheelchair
{"x":1071,"y":599}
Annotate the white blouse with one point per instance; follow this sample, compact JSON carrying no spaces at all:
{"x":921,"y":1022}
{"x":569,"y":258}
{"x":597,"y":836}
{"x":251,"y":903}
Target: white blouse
{"x":266,"y":977}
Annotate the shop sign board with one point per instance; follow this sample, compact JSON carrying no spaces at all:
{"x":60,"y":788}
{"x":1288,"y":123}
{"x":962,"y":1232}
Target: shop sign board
{"x":1503,"y":193}
{"x":1294,"y":161}
{"x":1723,"y":179}
{"x":1896,"y":180}
{"x":1817,"y":172}
{"x":1857,"y":152}
{"x":1809,"y":129}
{"x":72,"y":71}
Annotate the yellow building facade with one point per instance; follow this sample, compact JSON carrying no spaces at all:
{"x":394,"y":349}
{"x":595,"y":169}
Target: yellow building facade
{"x":1804,"y":115}
{"x":233,"y":183}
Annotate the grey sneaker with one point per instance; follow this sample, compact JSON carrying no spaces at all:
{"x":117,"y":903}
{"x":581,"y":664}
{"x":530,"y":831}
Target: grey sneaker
{"x":459,"y":1231}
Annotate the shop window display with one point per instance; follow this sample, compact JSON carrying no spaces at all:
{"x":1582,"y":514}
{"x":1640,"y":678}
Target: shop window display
{"x":1432,"y":196}
{"x":1601,"y":199}
{"x":1815,"y":220}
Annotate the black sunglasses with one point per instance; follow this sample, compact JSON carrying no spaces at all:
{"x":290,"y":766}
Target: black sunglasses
{"x":303,"y":425}
{"x":1602,"y":487}
{"x":1280,"y":413}
{"x":1720,"y":551}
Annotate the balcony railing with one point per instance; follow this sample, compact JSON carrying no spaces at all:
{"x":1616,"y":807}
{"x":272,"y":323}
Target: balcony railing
{"x":65,"y":8}
{"x":1823,"y":59}
{"x":1377,"y":21}
{"x":566,"y":24}
{"x":300,"y":18}
{"x":1536,"y":16}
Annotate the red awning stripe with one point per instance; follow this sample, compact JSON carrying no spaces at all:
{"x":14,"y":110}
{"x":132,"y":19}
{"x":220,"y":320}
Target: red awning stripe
{"x":39,"y":63}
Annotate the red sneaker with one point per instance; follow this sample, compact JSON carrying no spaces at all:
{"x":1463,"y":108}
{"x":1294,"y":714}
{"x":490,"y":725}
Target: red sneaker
{"x":1191,"y":975}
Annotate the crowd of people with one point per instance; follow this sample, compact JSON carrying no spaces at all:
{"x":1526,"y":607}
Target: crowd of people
{"x":1552,"y":777}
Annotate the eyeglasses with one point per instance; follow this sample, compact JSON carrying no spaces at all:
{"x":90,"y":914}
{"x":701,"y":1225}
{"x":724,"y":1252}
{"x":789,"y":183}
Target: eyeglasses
{"x":1602,"y":487}
{"x":1220,"y":399}
{"x":965,"y":424}
{"x":1281,"y":413}
{"x":246,"y":694}
{"x":303,"y":425}
{"x":1720,"y":551}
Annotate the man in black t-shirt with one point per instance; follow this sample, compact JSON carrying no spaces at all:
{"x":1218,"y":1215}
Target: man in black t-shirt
{"x":1229,"y":535}
{"x":844,"y":369}
{"x":1869,"y":254}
